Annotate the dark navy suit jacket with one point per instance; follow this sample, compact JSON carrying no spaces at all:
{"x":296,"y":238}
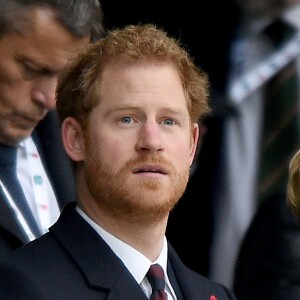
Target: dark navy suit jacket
{"x":73,"y":262}
{"x":58,"y":167}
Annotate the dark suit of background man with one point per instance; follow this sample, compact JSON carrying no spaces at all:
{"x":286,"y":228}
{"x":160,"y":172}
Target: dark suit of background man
{"x":208,"y":29}
{"x":37,"y":38}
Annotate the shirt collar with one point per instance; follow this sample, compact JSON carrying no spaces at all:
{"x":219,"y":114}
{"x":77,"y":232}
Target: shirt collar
{"x":136,"y":262}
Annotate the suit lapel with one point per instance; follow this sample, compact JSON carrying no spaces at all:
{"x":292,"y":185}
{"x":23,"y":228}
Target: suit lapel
{"x":9,"y":222}
{"x":102,"y":269}
{"x":193,"y":285}
{"x":99,"y":265}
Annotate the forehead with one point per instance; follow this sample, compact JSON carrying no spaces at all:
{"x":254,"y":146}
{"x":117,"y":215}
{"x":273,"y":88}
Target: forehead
{"x":44,"y":40}
{"x":141,"y":76}
{"x":147,"y":85}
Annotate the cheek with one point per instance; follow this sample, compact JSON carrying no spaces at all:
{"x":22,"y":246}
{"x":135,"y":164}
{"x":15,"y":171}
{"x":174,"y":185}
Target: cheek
{"x":10,"y":71}
{"x":15,"y":91}
{"x":14,"y":96}
{"x":181,"y":153}
{"x":111,"y":150}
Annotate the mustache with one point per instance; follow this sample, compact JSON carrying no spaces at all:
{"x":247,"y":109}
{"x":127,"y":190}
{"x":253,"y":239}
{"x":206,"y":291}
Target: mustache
{"x":145,"y":159}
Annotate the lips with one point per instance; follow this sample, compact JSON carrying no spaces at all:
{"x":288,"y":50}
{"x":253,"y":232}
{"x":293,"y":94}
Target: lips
{"x":151,"y":169}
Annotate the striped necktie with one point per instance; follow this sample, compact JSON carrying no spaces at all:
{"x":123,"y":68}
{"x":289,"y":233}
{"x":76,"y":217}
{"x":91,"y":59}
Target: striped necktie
{"x":156,"y":278}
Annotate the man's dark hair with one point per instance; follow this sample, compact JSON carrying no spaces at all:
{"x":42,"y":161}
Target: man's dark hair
{"x":81,"y":17}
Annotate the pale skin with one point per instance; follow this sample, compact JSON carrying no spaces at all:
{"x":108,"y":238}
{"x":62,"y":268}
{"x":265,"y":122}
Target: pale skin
{"x":142,"y":114}
{"x":30,"y":62}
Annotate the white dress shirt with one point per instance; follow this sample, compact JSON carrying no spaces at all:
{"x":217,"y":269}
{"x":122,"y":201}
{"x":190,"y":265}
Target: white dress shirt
{"x":36,"y":185}
{"x":137,"y":264}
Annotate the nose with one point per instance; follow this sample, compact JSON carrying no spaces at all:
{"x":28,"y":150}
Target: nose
{"x":150,"y":138}
{"x":44,"y":92}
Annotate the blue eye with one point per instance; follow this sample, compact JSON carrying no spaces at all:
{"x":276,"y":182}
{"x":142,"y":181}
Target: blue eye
{"x":126,"y":120}
{"x":169,"y":122}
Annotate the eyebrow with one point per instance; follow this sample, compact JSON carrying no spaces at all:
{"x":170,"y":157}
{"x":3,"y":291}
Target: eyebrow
{"x":47,"y":69}
{"x":127,"y":107}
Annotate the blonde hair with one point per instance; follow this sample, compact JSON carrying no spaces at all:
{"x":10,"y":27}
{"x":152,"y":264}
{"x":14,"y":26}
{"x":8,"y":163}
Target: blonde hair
{"x":293,"y":186}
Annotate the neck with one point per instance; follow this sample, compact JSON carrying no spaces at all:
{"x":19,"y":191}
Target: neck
{"x":146,"y":238}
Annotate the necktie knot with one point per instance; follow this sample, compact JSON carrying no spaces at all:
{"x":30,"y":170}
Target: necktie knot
{"x":156,"y":278}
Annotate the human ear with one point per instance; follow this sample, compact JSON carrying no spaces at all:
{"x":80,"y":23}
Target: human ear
{"x":194,"y":141}
{"x":73,"y":139}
